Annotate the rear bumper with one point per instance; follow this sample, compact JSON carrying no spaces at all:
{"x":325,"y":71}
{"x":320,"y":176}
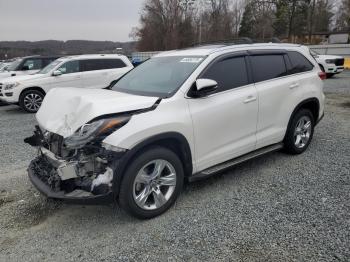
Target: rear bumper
{"x":47,"y":191}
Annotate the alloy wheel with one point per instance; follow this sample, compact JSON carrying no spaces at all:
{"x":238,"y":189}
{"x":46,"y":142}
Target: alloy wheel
{"x":302,"y":132}
{"x":33,"y":101}
{"x":154,"y":184}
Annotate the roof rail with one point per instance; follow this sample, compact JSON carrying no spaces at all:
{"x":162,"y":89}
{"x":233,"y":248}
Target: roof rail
{"x":267,"y":40}
{"x":238,"y":41}
{"x":231,"y":41}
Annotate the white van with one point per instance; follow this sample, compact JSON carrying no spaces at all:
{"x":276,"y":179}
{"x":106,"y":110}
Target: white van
{"x":88,"y":71}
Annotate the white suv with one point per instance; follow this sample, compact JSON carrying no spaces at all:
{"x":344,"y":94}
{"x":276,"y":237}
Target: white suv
{"x":26,"y":66}
{"x":182,"y":115}
{"x":83,"y":71}
{"x":330,"y":64}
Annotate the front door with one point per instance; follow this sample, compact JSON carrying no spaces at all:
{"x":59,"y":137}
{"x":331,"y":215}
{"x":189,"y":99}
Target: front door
{"x":224,"y":123}
{"x":71,"y":75}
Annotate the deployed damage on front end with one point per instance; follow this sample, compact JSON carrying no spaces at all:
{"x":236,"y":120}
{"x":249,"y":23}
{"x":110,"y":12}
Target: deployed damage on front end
{"x":64,"y":172}
{"x":73,"y":163}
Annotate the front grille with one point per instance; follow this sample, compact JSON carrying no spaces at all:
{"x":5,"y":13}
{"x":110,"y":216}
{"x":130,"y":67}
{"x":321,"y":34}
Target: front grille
{"x":339,"y":62}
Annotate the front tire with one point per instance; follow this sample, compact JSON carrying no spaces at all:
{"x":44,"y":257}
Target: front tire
{"x":31,"y":100}
{"x":151,"y":183}
{"x":300,"y":132}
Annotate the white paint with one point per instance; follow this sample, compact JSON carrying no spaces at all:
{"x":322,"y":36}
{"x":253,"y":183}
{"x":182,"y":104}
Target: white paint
{"x":217,"y":127}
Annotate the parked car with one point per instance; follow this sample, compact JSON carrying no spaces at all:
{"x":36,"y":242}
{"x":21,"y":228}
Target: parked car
{"x":330,"y":64}
{"x":181,"y":115}
{"x":83,"y":71}
{"x":3,"y":66}
{"x":26,"y":66}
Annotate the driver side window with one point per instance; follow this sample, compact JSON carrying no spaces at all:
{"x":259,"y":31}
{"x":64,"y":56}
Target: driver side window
{"x":70,"y":67}
{"x":229,"y":73}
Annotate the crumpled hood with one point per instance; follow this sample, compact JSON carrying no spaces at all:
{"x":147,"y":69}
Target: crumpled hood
{"x":64,"y":110}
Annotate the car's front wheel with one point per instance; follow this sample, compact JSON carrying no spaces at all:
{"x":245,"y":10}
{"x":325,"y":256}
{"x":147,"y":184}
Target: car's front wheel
{"x":151,"y":183}
{"x":31,"y":100}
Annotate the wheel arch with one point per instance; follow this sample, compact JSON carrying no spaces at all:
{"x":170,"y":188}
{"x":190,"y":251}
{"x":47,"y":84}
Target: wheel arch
{"x":313,"y":104}
{"x":170,"y":140}
{"x":37,"y":88}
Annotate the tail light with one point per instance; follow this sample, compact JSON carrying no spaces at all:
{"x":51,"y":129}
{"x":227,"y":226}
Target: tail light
{"x":322,"y":75}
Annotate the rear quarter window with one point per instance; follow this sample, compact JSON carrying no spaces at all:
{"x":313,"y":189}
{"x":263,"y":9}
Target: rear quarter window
{"x":101,"y":64}
{"x":299,"y":63}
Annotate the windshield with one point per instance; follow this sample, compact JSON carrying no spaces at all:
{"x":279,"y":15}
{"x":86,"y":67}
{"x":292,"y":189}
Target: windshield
{"x":13,"y":66}
{"x":159,"y":76}
{"x":49,"y":67}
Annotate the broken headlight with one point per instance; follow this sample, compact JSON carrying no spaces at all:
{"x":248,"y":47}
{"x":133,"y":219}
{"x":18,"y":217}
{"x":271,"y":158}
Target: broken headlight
{"x":93,"y":130}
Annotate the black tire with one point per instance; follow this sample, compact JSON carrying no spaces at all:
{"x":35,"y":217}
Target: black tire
{"x":330,"y":75}
{"x":34,"y":94}
{"x":126,"y":194}
{"x":290,"y":138}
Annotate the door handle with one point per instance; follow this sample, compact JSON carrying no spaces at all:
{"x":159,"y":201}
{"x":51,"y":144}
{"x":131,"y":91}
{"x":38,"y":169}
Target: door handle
{"x":249,"y":99}
{"x":294,"y":85}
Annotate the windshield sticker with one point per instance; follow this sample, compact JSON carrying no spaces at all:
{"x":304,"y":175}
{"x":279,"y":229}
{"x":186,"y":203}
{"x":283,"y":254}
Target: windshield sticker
{"x":191,"y":60}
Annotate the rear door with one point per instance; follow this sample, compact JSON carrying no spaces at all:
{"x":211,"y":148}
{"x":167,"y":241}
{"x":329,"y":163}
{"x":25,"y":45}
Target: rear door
{"x":224,"y":123}
{"x":71,"y":75}
{"x":278,"y":94}
{"x":99,"y":73}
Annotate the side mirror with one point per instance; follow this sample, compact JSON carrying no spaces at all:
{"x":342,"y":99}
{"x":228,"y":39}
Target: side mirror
{"x":57,"y":73}
{"x":25,"y":68}
{"x":203,"y":87}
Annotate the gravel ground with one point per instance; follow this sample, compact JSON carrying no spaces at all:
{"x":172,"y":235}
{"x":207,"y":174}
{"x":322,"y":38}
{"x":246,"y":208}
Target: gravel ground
{"x":278,"y":207}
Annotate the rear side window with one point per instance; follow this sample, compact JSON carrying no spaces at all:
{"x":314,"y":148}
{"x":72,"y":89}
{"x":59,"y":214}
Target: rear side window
{"x":299,"y":63}
{"x":229,"y":73}
{"x":114,"y":63}
{"x":101,"y":64}
{"x":267,"y":67}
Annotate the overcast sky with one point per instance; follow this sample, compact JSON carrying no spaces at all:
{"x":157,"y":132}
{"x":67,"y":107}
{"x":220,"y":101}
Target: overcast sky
{"x":68,"y":19}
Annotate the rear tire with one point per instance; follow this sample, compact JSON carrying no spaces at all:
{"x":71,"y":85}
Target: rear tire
{"x":30,"y":100}
{"x":146,"y":192}
{"x":300,"y":132}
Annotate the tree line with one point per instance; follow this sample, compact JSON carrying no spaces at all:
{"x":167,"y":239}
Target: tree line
{"x":170,"y":24}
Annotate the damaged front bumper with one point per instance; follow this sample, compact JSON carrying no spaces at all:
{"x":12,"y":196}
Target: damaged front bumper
{"x":47,"y":191}
{"x":59,"y":179}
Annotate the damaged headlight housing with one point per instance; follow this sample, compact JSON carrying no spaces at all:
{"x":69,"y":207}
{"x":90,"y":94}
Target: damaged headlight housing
{"x":93,"y":130}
